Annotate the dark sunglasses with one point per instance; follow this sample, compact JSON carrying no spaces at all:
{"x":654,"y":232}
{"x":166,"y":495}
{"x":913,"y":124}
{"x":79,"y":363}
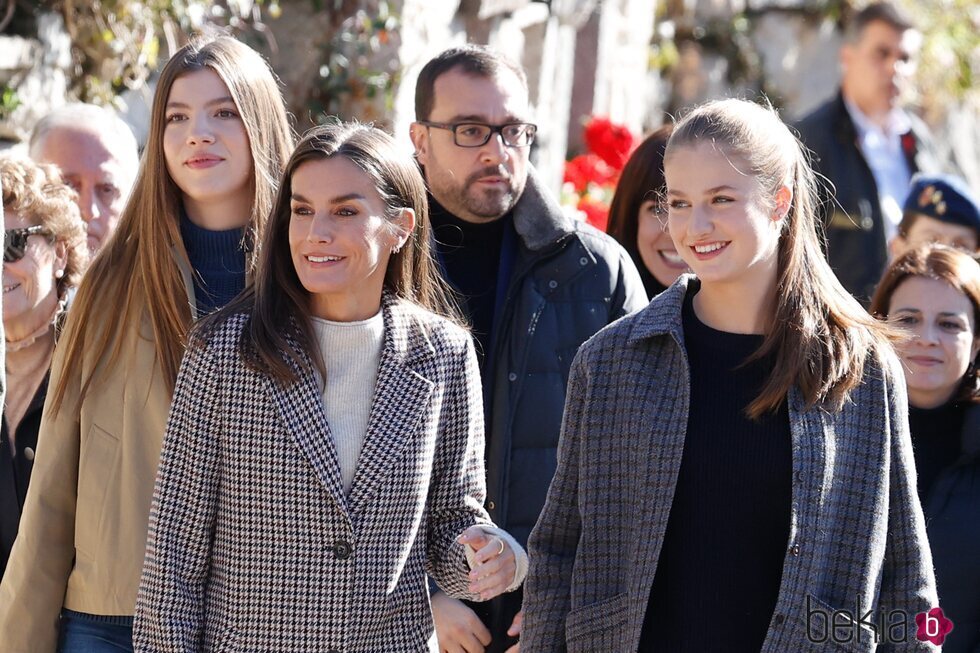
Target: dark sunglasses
{"x":15,"y":241}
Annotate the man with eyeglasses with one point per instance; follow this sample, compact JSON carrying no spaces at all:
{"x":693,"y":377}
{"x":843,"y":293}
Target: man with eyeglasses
{"x":533,"y":282}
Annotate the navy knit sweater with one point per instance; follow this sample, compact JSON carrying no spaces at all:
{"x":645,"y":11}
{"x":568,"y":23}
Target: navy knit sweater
{"x":218,"y":261}
{"x":722,"y":558}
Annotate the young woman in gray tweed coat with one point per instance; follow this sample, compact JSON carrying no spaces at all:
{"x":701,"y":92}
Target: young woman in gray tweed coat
{"x":324,"y":453}
{"x":735,"y":470}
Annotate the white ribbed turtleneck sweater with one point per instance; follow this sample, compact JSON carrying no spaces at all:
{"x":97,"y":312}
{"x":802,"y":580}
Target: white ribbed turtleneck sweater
{"x":351,"y":355}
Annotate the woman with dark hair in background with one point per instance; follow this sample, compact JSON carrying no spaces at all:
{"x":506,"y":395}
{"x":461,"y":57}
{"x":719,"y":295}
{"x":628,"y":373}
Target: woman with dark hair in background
{"x":638,"y":216}
{"x":933,"y":292}
{"x":218,"y":138}
{"x":345,"y":402}
{"x":44,"y":257}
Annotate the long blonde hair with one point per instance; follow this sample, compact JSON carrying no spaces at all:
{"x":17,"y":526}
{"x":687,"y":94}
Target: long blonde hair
{"x":819,"y":336}
{"x":139,"y":264}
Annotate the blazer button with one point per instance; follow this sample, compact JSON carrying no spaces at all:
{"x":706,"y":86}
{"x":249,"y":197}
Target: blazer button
{"x":552,"y":284}
{"x":511,"y":377}
{"x":779,"y":618}
{"x":798,"y":475}
{"x":342,"y":549}
{"x":28,"y":453}
{"x":795,"y":549}
{"x":491,"y":505}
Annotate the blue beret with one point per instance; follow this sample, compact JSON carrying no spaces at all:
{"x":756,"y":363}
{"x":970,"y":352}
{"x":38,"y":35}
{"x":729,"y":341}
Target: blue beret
{"x":945,"y":198}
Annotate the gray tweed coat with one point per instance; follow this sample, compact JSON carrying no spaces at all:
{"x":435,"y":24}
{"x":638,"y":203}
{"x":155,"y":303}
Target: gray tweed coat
{"x":253,"y":544}
{"x":856,"y":537}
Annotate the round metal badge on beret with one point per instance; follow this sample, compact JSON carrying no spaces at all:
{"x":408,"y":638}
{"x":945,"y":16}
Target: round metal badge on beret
{"x":944,"y":197}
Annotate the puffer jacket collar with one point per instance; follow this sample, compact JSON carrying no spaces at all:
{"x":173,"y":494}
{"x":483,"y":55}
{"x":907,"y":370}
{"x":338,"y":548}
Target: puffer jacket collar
{"x":538,"y":219}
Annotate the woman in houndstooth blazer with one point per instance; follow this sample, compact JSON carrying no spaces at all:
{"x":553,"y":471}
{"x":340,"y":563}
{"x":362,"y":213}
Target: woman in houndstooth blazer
{"x":324,"y":448}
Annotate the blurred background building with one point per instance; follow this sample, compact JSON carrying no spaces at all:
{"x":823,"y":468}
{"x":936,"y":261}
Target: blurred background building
{"x":638,"y":62}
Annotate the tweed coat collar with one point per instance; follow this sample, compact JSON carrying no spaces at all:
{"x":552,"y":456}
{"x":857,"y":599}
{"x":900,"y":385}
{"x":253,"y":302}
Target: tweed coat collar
{"x":663,"y":315}
{"x":400,"y":398}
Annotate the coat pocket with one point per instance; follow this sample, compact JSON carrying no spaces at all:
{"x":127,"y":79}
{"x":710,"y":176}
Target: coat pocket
{"x":97,"y":468}
{"x":599,"y":626}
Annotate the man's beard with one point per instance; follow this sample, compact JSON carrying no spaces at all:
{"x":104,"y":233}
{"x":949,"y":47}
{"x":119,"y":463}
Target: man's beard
{"x":486,"y":203}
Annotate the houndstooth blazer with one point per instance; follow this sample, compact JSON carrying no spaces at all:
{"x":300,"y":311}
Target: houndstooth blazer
{"x":253,"y":544}
{"x":857,"y":535}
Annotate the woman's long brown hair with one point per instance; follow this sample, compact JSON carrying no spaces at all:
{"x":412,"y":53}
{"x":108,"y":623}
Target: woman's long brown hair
{"x":137,"y":272}
{"x":819,"y":336}
{"x":951,"y":266}
{"x":278,"y":335}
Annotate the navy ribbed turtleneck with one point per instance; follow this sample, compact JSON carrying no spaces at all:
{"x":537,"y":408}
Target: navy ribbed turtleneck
{"x":218,"y":261}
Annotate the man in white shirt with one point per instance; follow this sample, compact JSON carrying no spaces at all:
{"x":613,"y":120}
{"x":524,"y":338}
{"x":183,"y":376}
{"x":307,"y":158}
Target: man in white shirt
{"x":867,"y":146}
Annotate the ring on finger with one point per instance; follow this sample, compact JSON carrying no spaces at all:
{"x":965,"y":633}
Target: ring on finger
{"x":500,"y":541}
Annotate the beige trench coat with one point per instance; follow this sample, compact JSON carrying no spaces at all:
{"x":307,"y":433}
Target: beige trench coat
{"x":83,"y":531}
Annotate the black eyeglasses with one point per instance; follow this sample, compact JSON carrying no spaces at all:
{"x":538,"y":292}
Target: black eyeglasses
{"x":477,"y":134}
{"x":15,"y":241}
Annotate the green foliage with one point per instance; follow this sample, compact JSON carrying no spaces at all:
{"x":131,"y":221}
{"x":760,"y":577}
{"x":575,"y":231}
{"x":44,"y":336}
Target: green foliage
{"x":949,"y":64}
{"x":8,"y":102}
{"x":727,"y":37}
{"x":117,"y":43}
{"x":358,"y":76}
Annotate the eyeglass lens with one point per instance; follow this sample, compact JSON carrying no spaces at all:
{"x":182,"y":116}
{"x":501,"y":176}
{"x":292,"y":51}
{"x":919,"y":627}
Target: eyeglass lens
{"x":476,"y":134}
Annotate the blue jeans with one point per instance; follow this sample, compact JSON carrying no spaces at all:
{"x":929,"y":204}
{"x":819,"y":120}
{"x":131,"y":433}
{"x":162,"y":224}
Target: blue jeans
{"x":90,"y":633}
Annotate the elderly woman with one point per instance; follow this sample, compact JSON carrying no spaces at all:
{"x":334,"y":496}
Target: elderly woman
{"x":933,"y":292}
{"x":44,"y":256}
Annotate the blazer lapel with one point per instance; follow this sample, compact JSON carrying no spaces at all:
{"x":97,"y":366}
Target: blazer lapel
{"x":301,"y":407}
{"x":401,"y":397}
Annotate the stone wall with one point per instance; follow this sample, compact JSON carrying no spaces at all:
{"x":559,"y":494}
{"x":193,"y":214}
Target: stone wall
{"x":38,"y":70}
{"x":583,"y":57}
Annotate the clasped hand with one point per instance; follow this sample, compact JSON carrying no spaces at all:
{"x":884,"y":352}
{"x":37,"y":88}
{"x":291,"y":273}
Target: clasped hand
{"x":493,"y":563}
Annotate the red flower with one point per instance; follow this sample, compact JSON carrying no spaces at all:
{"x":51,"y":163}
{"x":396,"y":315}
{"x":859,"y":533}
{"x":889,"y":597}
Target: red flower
{"x":588,"y":168}
{"x":596,"y":214}
{"x":908,"y":144}
{"x":613,"y":143}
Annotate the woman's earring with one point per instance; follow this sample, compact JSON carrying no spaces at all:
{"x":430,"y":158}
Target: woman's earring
{"x":396,"y":249}
{"x":58,"y":274}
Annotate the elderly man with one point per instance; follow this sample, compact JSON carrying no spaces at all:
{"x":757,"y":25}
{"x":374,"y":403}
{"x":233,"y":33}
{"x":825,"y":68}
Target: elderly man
{"x":97,"y":155}
{"x":534,"y":283}
{"x":868,"y":146}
